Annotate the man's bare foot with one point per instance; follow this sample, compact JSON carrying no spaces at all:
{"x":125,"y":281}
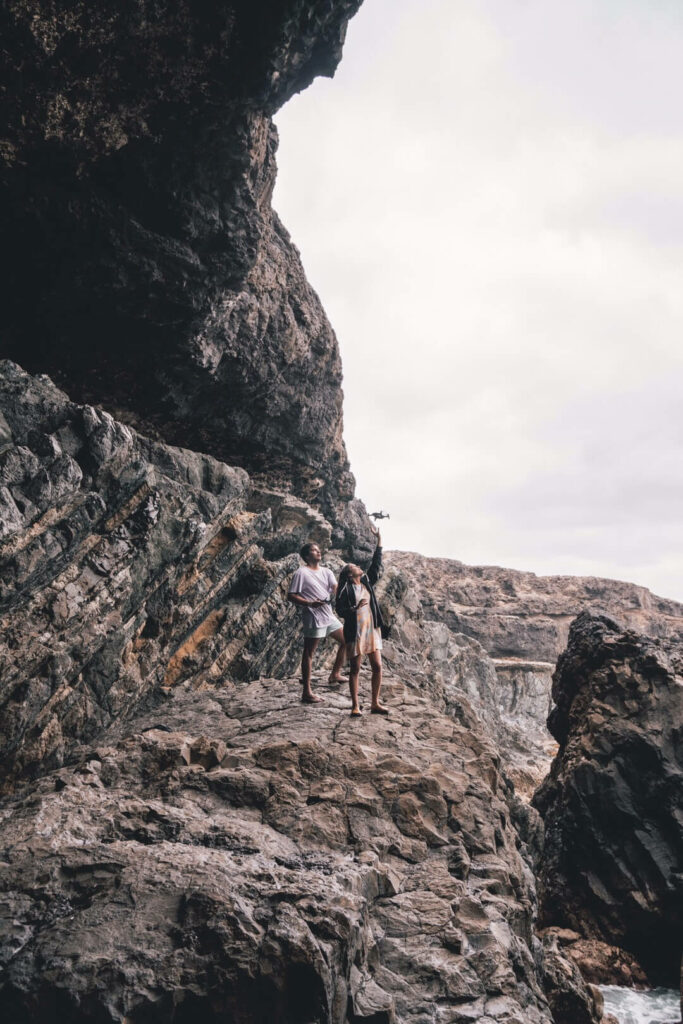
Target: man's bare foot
{"x":311,"y":698}
{"x":379,"y":709}
{"x":356,"y":712}
{"x":335,"y":679}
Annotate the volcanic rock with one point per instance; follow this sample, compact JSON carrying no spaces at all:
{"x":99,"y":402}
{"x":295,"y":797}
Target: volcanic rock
{"x":613,"y":802}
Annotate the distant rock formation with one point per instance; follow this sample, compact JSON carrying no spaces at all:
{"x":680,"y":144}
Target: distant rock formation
{"x":518,"y":623}
{"x":613,"y":802}
{"x":525,"y":617}
{"x":148,"y":272}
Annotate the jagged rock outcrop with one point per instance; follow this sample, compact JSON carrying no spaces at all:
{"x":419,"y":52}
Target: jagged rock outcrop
{"x":148,"y":272}
{"x":179,"y":838}
{"x":613,"y":802}
{"x":126,"y":566}
{"x":514,"y":626}
{"x":519,"y":615}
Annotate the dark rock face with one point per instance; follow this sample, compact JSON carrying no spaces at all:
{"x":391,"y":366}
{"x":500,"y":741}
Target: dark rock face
{"x":571,"y":1000}
{"x":148,"y":272}
{"x":180,"y":837}
{"x":613,"y":803}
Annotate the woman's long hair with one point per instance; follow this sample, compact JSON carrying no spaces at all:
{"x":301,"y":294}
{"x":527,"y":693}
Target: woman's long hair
{"x":344,"y":577}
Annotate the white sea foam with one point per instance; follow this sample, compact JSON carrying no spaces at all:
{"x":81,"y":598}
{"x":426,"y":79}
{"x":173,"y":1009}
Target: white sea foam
{"x":655,"y":1006}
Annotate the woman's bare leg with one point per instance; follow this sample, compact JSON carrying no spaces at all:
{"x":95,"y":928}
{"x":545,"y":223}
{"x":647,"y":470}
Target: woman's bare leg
{"x":335,"y":674}
{"x":375,"y":659}
{"x":354,"y":669}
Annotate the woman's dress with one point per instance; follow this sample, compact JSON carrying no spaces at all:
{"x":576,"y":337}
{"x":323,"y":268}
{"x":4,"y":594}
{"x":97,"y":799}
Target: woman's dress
{"x":368,"y":637}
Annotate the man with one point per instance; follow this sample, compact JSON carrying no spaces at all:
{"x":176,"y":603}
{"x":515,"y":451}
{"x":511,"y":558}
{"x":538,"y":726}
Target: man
{"x":312,"y":589}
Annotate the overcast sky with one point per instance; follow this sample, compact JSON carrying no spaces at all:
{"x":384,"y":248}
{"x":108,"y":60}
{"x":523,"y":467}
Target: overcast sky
{"x":488,"y":198}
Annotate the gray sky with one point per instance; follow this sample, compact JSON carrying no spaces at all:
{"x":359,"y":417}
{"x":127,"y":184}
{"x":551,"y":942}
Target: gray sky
{"x":488,"y":199}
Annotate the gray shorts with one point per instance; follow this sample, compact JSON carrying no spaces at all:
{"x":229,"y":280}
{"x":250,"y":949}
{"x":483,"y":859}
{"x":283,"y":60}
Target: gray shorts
{"x":322,"y":631}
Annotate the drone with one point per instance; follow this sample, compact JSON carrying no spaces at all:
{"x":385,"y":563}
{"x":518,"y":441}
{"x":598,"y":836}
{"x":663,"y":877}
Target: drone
{"x":380,"y":515}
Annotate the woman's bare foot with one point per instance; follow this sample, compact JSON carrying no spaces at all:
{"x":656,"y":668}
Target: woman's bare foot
{"x":335,"y":679}
{"x":355,"y":712}
{"x":311,"y":698}
{"x":379,"y":709}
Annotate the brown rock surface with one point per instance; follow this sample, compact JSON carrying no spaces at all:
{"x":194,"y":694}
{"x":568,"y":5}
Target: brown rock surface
{"x":599,"y":963}
{"x":176,"y":841}
{"x":126,"y":566}
{"x":316,"y":867}
{"x":519,"y":615}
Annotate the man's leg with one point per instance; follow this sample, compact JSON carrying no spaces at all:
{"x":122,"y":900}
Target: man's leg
{"x":354,"y":669}
{"x":335,"y":674}
{"x":375,"y":659}
{"x":310,"y":645}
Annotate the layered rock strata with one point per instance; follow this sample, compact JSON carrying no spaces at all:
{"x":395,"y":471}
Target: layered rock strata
{"x":126,"y":566}
{"x":517,"y":623}
{"x":177,"y":839}
{"x":521,"y":616}
{"x":148,"y":272}
{"x":613,"y":802}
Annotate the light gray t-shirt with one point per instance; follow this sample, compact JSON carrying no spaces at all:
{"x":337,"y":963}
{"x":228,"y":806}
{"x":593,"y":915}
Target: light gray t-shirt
{"x":315,"y":585}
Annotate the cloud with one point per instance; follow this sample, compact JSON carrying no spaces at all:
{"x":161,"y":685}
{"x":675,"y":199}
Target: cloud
{"x":489,"y":200}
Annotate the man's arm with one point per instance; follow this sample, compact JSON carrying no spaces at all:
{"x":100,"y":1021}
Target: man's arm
{"x":304,"y":602}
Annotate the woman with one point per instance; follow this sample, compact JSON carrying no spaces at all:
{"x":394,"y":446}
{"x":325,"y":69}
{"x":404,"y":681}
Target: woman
{"x":357,"y":605}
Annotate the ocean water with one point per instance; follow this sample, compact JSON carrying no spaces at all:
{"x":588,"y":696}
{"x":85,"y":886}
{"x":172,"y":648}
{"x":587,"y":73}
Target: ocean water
{"x":654,"y":1006}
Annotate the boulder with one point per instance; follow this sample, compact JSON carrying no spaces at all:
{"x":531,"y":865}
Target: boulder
{"x":613,"y":802}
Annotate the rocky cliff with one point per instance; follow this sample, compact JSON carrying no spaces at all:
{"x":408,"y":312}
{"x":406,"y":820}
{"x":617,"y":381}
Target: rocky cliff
{"x":126,"y":566}
{"x":613,"y":802}
{"x":518,"y":623}
{"x":519,"y":616}
{"x":180,"y":835}
{"x":148,"y":272}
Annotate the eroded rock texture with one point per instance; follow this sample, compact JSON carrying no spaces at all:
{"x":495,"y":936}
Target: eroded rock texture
{"x":239,"y":858}
{"x":178,"y":839}
{"x":519,"y":615}
{"x":613,"y":803}
{"x":505,"y":630}
{"x":148,"y":272}
{"x":126,"y":566}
